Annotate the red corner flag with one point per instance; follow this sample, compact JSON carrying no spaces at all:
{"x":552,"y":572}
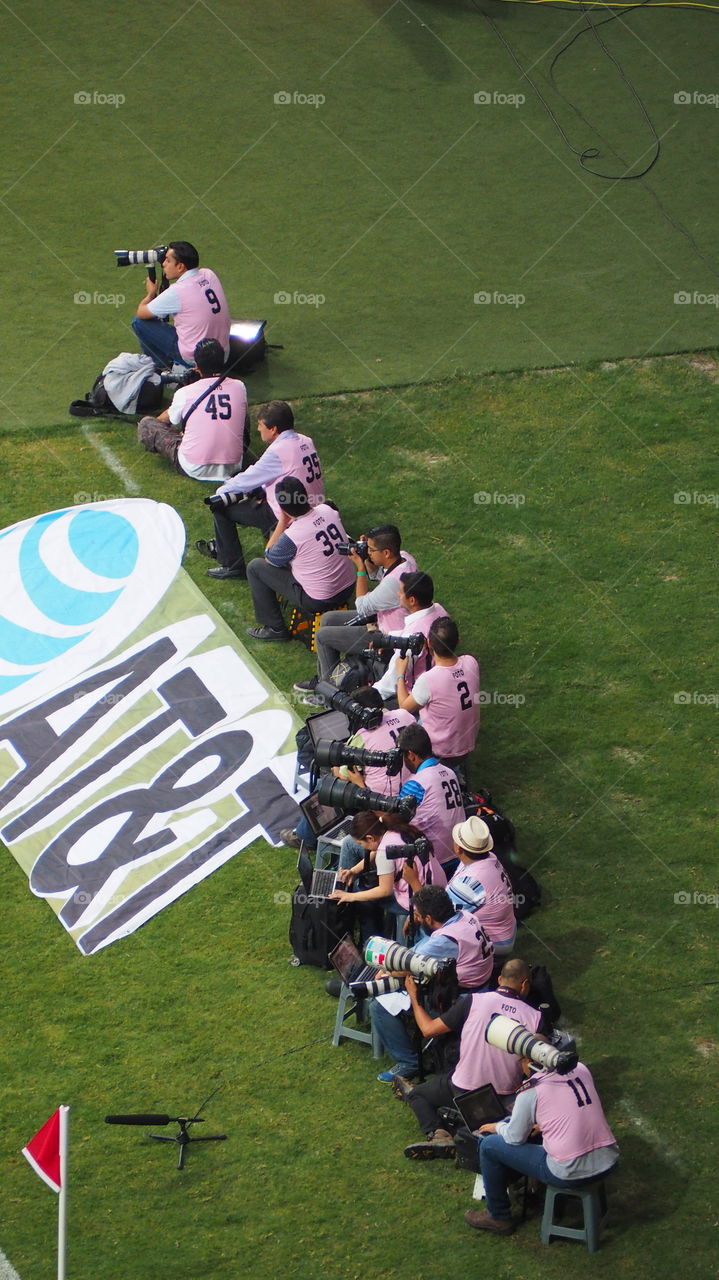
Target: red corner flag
{"x":43,"y":1152}
{"x":47,"y":1153}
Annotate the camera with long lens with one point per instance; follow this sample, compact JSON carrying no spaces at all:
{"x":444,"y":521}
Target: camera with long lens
{"x":420,"y":848}
{"x":505,"y":1033}
{"x":413,"y":644}
{"x":352,"y":799}
{"x":337,"y":753}
{"x":392,"y":955}
{"x":361,"y":717}
{"x":346,"y":548}
{"x":141,"y":257}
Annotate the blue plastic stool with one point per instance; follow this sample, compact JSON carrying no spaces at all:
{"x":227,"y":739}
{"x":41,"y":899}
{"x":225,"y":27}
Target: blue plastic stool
{"x":346,"y":1006}
{"x":593,"y":1196}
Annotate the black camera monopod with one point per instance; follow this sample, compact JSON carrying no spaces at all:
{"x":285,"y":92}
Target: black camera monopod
{"x":183,"y":1138}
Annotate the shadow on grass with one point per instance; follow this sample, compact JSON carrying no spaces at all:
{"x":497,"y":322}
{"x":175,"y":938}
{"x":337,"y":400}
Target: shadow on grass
{"x":645,"y":1187}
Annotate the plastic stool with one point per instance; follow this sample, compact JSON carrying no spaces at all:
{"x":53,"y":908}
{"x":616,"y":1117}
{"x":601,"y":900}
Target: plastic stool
{"x":341,"y":1032}
{"x":304,"y":626}
{"x":593,"y":1196}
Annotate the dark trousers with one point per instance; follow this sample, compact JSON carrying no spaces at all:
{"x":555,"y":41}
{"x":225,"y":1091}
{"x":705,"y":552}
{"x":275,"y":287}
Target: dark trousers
{"x":266,"y":582}
{"x":252,"y":513}
{"x":335,"y":637}
{"x":426,"y":1099}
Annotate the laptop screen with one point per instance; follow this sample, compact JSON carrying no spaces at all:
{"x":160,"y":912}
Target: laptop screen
{"x":481,"y":1106}
{"x":328,"y":725}
{"x":346,"y":959}
{"x":321,"y":817}
{"x":305,"y":869}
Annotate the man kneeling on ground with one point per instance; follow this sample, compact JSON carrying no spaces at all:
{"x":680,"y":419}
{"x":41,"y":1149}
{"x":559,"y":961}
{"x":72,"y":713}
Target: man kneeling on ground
{"x":205,"y":430}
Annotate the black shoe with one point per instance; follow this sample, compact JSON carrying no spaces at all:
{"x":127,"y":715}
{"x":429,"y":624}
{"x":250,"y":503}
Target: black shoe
{"x":306,"y":686}
{"x":401,"y":1087}
{"x":266,"y":633}
{"x":208,"y":549}
{"x":221,"y":572}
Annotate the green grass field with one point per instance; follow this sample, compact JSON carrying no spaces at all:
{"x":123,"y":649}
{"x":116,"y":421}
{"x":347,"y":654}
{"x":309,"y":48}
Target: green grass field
{"x":586,"y":594}
{"x":361,"y":227}
{"x":567,"y":512}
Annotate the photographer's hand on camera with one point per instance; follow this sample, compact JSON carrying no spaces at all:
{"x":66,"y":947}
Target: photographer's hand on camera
{"x":362,"y":580}
{"x":409,"y":873}
{"x":151,"y":289}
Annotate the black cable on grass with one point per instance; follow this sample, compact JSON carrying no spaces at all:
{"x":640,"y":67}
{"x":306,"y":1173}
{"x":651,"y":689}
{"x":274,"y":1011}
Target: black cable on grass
{"x":592,"y":153}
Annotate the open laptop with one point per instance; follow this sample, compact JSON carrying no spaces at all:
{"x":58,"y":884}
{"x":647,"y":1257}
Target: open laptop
{"x":332,"y":726}
{"x":349,"y":963}
{"x":330,"y":825}
{"x":480,"y":1106}
{"x":324,"y":883}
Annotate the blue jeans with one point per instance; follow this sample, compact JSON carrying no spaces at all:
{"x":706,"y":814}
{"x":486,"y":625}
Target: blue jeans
{"x":305,"y":833}
{"x":496,"y":1157}
{"x":369,"y":914}
{"x":158,"y":341}
{"x":395,"y":1038}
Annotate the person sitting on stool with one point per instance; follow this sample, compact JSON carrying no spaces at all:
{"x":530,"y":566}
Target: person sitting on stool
{"x":301,"y":564}
{"x":577,"y":1144}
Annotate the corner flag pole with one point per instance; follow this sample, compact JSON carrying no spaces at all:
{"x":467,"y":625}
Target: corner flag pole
{"x":62,"y":1197}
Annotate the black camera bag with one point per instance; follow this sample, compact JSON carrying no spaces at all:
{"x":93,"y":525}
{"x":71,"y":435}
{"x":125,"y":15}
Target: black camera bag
{"x":316,"y":926}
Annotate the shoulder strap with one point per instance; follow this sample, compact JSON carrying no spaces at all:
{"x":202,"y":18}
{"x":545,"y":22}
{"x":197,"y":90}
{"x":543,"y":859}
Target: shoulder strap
{"x":198,"y":401}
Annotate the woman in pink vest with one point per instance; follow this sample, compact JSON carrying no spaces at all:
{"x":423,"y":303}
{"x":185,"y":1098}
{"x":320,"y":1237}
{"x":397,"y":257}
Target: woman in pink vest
{"x":409,"y":877}
{"x":371,"y":835}
{"x":358,"y":853}
{"x":577,"y":1144}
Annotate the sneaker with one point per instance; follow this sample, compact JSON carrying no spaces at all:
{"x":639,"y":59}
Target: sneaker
{"x":306,"y":686}
{"x":266,"y":633}
{"x":208,"y":549}
{"x":222,"y":573}
{"x":401,"y":1087}
{"x":437,"y":1146}
{"x":387,"y":1077}
{"x":290,"y":837}
{"x":483,"y":1221}
{"x":311,"y":700}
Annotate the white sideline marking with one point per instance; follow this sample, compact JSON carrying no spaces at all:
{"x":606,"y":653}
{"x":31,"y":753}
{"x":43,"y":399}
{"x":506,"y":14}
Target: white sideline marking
{"x":112,"y":461}
{"x":7,"y":1270}
{"x":650,"y":1135}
